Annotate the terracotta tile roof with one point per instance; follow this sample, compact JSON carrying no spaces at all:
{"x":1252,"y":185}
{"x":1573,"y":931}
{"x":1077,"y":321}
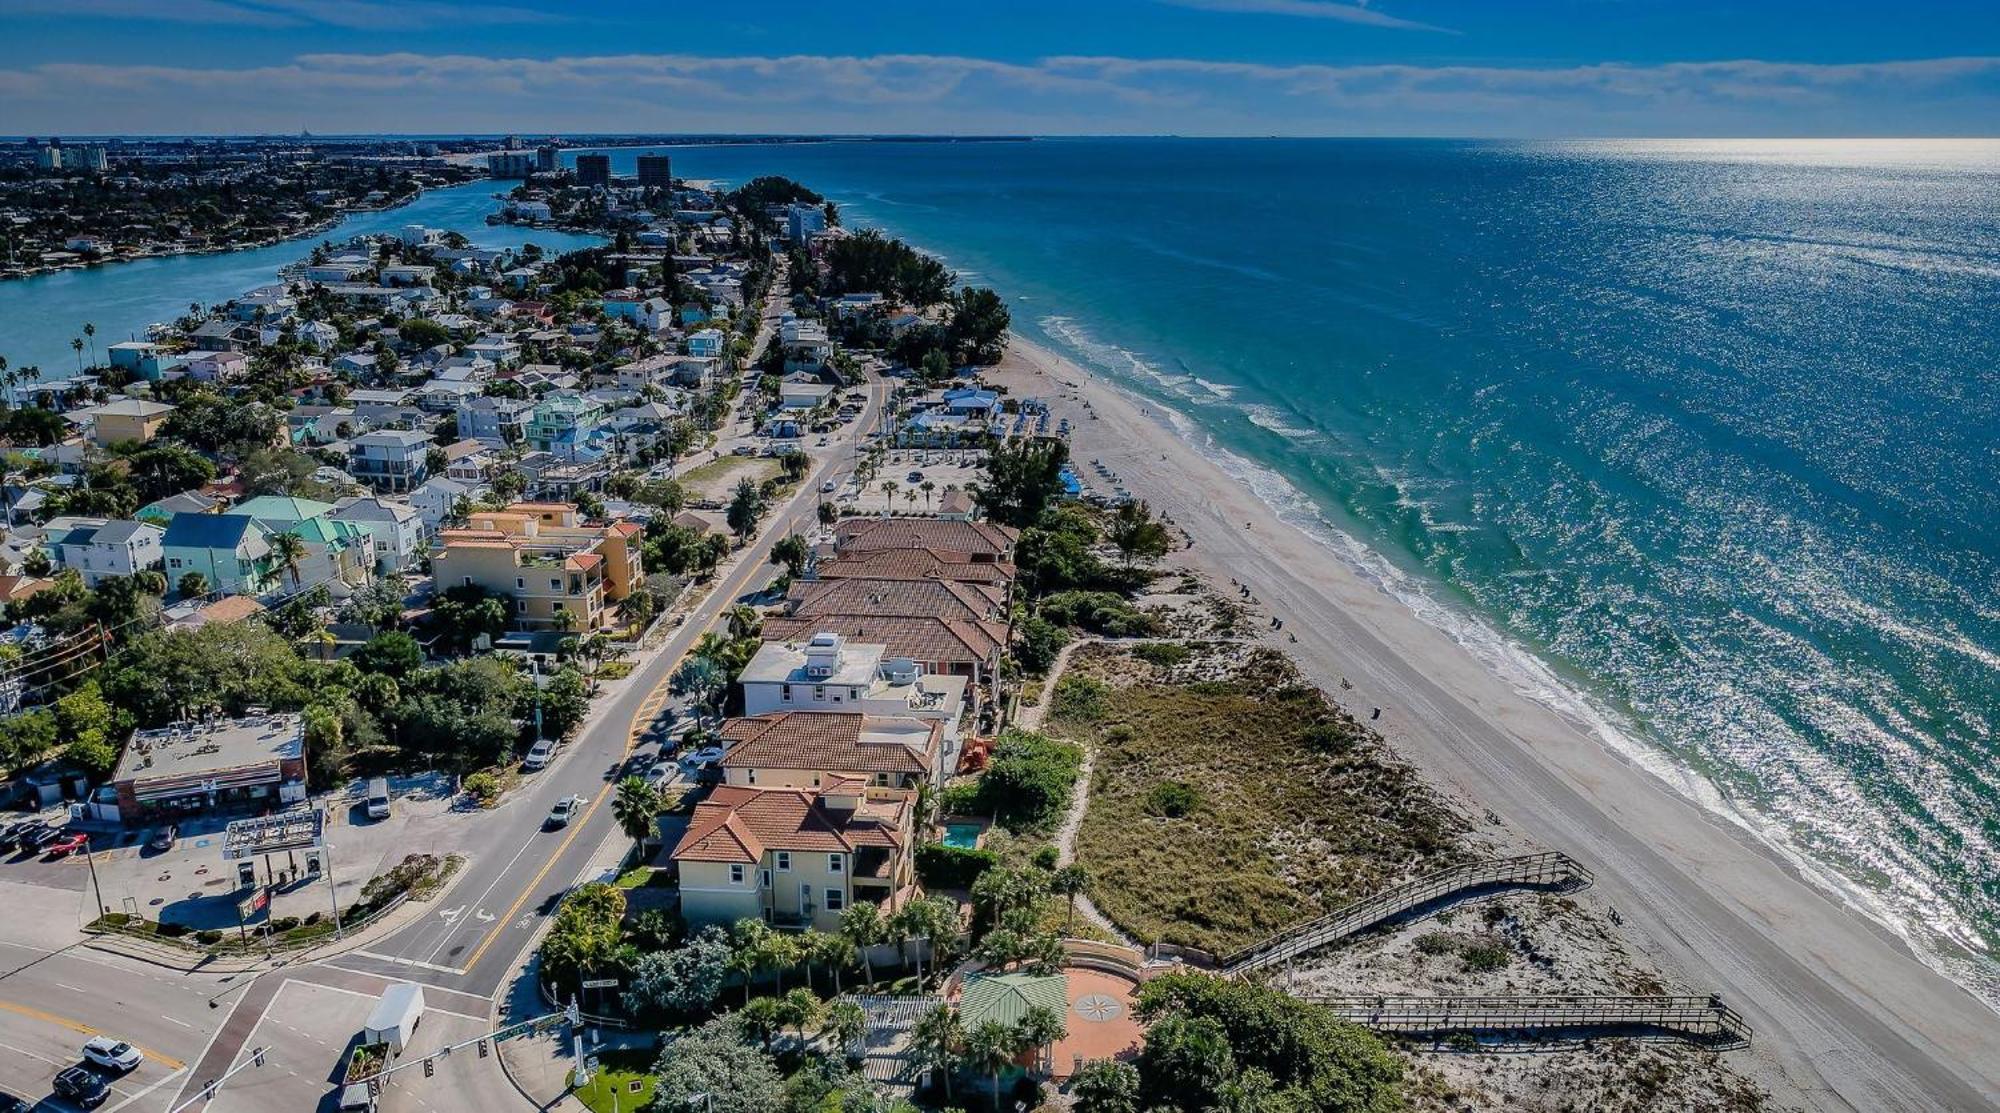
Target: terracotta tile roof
{"x":945,"y":641}
{"x":917,"y":564}
{"x":738,"y":824}
{"x":904,"y":598}
{"x":829,"y":742}
{"x":955,"y":502}
{"x":979,"y":538}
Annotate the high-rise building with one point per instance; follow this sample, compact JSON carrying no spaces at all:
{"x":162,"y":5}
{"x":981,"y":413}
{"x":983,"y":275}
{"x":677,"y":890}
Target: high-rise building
{"x":49,"y":157}
{"x":510,"y":164}
{"x":593,"y":170}
{"x":512,"y":143}
{"x":656,"y":171}
{"x":87,"y":158}
{"x":546,"y":160}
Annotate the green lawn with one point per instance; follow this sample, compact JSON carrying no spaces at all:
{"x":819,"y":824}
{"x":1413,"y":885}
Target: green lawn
{"x":610,"y":1089}
{"x":717,"y":479}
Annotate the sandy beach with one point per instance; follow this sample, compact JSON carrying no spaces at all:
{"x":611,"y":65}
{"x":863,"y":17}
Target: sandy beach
{"x":1846,"y":1018}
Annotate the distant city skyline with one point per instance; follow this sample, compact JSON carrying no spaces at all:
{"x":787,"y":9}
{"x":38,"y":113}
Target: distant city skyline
{"x":1535,"y":68}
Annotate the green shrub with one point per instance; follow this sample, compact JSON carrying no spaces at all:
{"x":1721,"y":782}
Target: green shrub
{"x":1331,"y":737}
{"x":1037,"y":643}
{"x":207,"y":938}
{"x":1485,"y":955}
{"x":1171,"y":799}
{"x":1435,"y":943}
{"x":1030,"y":780}
{"x":960,"y":799}
{"x":1080,"y":699}
{"x":1045,"y":857}
{"x":174,"y":931}
{"x":484,"y":788}
{"x":952,"y":867}
{"x":1099,"y":612}
{"x":1164,"y":654}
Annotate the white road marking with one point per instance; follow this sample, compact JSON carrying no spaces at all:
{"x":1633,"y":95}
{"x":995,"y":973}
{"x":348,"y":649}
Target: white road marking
{"x":173,"y":1020}
{"x":428,"y":1008}
{"x":141,"y":1094}
{"x":399,"y":961}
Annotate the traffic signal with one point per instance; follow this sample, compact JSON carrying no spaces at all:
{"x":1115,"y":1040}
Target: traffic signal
{"x":257,"y":1057}
{"x":482,"y":1049}
{"x":429,"y":1068}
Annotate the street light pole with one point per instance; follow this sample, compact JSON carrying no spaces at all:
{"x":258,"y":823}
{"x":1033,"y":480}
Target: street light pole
{"x":332,"y":894}
{"x":95,"y":888}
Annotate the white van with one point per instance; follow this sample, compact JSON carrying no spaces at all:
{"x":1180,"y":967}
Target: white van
{"x":378,"y":798}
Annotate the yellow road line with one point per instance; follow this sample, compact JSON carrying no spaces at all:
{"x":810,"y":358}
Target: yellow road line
{"x":723,"y":591}
{"x":78,"y":1026}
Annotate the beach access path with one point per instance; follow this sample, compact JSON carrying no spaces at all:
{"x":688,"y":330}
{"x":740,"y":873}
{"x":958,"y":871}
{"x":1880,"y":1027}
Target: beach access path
{"x":1846,"y":1018}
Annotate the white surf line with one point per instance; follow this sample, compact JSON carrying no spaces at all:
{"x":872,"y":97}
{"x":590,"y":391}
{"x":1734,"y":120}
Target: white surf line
{"x":141,"y":1095}
{"x":399,"y":961}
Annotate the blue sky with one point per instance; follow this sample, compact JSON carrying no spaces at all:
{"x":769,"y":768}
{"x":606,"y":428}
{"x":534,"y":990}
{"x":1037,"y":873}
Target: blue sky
{"x":1233,"y":67}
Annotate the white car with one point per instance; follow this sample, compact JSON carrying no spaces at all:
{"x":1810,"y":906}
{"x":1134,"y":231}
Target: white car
{"x":707,"y":755}
{"x":115,"y":1054}
{"x":539,"y":754}
{"x":564,"y":811}
{"x":829,"y":486}
{"x":658,"y":774}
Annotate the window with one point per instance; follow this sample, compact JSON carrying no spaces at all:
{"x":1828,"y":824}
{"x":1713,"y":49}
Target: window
{"x":833,"y":863}
{"x":785,"y":693}
{"x":836,"y":899}
{"x":466,"y":580}
{"x":555,"y":584}
{"x":764,"y":878}
{"x":784,"y":860}
{"x":520,"y":584}
{"x":735,"y":875}
{"x":750,"y":776}
{"x":819,"y":693}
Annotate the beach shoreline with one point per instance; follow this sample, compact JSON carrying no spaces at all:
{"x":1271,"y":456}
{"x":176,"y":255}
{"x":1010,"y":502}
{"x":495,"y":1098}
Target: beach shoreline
{"x":1846,"y":1015}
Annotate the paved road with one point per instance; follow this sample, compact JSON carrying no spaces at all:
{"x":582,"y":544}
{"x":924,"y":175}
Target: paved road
{"x":473,"y":942}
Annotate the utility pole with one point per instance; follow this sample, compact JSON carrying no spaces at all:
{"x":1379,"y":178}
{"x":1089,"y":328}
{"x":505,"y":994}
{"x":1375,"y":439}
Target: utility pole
{"x":91,"y":861}
{"x":332,"y":894}
{"x":576,"y":1044}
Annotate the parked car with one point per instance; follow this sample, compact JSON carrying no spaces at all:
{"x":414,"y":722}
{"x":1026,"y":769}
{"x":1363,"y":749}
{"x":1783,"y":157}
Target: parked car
{"x":116,"y":1054}
{"x":829,"y":486}
{"x":564,"y":811}
{"x":39,"y":836}
{"x":378,"y":799}
{"x":11,"y":834}
{"x":707,"y":755}
{"x":83,"y":1086}
{"x":915,"y":477}
{"x":11,"y":1104}
{"x":539,"y":754}
{"x":69,"y":844}
{"x":659,"y":774}
{"x":164,"y":838}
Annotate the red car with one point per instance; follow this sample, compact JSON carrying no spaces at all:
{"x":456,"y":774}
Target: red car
{"x":67,"y":845}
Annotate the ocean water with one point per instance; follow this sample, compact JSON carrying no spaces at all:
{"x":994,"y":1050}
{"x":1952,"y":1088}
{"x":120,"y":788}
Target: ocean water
{"x":1699,"y":440}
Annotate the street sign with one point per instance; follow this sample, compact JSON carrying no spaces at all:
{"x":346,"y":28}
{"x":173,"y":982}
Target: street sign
{"x":600,"y":983}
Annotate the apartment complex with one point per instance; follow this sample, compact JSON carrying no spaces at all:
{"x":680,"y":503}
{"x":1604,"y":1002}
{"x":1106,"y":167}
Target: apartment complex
{"x":561,"y":571}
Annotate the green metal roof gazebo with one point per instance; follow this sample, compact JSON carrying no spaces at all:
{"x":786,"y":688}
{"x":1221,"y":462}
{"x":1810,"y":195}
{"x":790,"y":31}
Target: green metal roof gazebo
{"x":1006,"y":998}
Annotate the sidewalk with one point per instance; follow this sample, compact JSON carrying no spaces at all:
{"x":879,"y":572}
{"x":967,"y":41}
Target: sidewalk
{"x":189,"y":962}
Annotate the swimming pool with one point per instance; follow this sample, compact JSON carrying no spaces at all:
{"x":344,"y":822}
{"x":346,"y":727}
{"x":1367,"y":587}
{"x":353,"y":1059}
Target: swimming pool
{"x":963,"y":836}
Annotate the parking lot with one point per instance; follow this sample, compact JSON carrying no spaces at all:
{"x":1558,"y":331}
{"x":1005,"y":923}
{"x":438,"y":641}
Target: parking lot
{"x":190,"y":883}
{"x":939,"y":467}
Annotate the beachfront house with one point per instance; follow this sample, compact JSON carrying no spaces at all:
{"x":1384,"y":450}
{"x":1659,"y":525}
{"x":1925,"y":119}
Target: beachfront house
{"x":795,"y":857}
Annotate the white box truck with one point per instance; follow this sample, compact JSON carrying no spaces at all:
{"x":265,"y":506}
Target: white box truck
{"x":396,"y":1016}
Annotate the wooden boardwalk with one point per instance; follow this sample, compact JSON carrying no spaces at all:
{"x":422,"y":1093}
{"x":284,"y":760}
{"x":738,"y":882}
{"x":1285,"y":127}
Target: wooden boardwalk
{"x":1551,"y":871}
{"x":1703,"y":1018}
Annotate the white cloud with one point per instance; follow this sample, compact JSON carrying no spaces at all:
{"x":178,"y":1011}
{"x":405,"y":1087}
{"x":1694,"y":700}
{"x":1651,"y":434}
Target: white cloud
{"x":410,"y":92}
{"x":366,"y":15}
{"x":1309,"y":9}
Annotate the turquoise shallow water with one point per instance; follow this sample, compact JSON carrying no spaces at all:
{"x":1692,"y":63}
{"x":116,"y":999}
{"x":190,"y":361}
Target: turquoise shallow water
{"x":39,"y":315}
{"x":1698,"y":439}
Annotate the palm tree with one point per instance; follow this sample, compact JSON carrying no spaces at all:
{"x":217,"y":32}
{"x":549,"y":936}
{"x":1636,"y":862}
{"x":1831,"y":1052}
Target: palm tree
{"x":927,"y":487}
{"x":744,"y":621}
{"x":564,"y":620}
{"x":763,"y":1018}
{"x":780,"y":952}
{"x":862,"y":925}
{"x":1068,"y":882}
{"x":889,"y":496}
{"x":800,"y":1009}
{"x":990,"y":1049}
{"x":936,"y":1040}
{"x":833,"y":950}
{"x":635,"y":807}
{"x":76,"y":345}
{"x":1038,"y":1028}
{"x":846,"y":1024}
{"x":289,"y":550}
{"x":90,"y":332}
{"x":747,"y":957}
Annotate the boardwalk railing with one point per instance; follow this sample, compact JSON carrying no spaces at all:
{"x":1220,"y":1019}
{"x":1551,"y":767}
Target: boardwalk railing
{"x":1703,"y":1018}
{"x":1551,"y":870}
